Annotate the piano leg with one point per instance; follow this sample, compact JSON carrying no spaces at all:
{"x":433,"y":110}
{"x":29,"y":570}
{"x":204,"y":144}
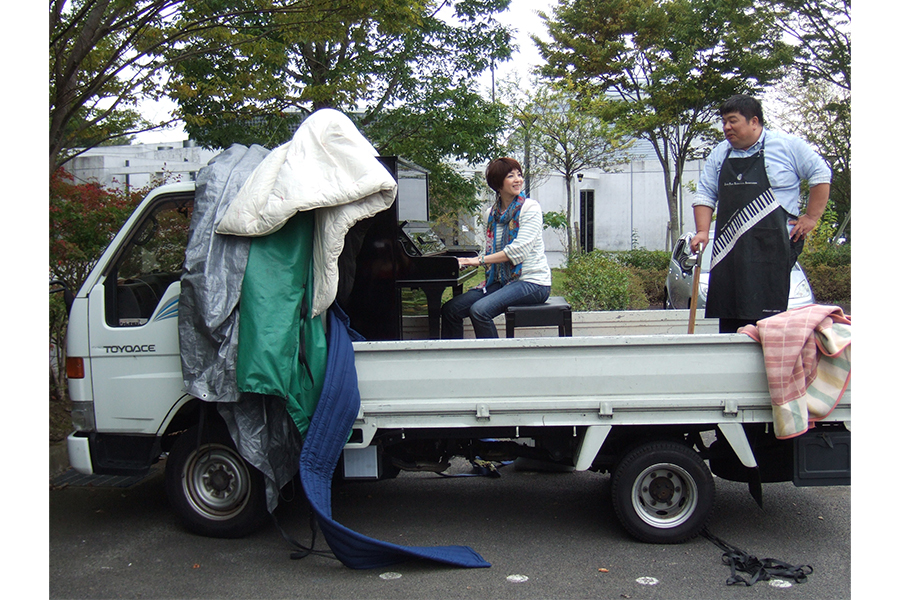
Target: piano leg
{"x":433,"y":299}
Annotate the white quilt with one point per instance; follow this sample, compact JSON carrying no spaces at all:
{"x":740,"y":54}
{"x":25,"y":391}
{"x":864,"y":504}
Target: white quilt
{"x":328,"y":167}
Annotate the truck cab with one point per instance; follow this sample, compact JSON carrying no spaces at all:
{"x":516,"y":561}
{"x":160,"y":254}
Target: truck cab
{"x":123,"y":358}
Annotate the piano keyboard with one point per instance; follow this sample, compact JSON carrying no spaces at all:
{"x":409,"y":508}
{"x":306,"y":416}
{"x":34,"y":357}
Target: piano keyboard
{"x":740,"y":223}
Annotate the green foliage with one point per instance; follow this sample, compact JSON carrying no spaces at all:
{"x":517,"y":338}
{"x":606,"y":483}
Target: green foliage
{"x":650,"y":267}
{"x":597,"y":281}
{"x":103,"y":61}
{"x":821,"y":29}
{"x":827,"y":267}
{"x":555,"y":220}
{"x":641,"y":258}
{"x":826,"y":255}
{"x":831,"y":285}
{"x":405,"y":70}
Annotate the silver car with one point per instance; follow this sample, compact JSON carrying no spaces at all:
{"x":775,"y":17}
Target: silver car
{"x":681,"y":275}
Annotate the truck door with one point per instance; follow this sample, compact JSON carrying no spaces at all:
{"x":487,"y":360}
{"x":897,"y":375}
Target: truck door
{"x":133,"y":315}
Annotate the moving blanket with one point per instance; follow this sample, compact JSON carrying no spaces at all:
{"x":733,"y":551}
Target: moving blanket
{"x":331,"y":424}
{"x":807,"y":356}
{"x":328,"y":166}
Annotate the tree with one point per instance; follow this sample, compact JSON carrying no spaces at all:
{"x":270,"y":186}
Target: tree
{"x":83,"y":219}
{"x":522,"y":139}
{"x":818,"y":111}
{"x":108,"y":55}
{"x":405,"y":70}
{"x":821,"y":28}
{"x":568,"y":140}
{"x":92,"y":98}
{"x":660,"y":69}
{"x":817,"y":99}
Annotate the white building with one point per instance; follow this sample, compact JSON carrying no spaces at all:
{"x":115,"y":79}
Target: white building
{"x":136,"y":166}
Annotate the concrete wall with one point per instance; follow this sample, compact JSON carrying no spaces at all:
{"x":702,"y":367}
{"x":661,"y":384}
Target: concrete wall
{"x":603,"y":323}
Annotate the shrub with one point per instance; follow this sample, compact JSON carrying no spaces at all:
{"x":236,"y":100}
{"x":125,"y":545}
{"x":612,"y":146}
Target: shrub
{"x":650,"y":266}
{"x":831,"y":285}
{"x":828,"y":270}
{"x":832,"y":256}
{"x":648,"y":260}
{"x":597,"y":281}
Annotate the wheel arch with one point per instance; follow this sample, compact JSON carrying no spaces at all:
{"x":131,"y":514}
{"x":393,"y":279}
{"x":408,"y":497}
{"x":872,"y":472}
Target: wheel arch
{"x":183,"y":415}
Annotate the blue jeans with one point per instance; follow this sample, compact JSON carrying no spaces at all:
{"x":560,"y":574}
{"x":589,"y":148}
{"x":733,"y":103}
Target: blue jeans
{"x":482,"y":305}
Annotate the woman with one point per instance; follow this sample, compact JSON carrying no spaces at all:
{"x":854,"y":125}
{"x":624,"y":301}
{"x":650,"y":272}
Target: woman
{"x":517,"y":270}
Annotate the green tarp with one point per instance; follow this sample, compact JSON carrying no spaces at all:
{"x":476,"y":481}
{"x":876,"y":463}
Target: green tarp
{"x":281,"y":351}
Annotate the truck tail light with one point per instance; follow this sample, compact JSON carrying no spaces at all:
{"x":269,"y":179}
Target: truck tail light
{"x":75,"y":368}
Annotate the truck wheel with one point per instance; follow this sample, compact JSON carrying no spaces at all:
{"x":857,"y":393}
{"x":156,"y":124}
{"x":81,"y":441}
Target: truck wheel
{"x":212,"y":489}
{"x":663,"y":493}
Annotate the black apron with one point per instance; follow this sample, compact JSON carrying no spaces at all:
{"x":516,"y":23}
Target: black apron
{"x":750,"y":272}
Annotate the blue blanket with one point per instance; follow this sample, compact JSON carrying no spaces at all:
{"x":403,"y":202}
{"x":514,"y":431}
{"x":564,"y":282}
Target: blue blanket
{"x":328,"y":431}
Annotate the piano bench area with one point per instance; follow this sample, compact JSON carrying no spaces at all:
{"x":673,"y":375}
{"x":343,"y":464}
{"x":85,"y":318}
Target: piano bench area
{"x":555,"y":311}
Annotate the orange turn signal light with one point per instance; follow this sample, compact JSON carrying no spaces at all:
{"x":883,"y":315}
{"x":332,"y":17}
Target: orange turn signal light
{"x":74,"y":367}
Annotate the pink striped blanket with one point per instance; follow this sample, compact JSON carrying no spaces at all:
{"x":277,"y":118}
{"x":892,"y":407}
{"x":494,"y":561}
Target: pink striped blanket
{"x":807,"y":357}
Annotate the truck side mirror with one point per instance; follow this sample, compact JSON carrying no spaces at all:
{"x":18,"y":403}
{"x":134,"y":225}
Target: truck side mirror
{"x":68,"y":296}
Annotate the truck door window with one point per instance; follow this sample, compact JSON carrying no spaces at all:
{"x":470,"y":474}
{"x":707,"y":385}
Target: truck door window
{"x":150,"y":263}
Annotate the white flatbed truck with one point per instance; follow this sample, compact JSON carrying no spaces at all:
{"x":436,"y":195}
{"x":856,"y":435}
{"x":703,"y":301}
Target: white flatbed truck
{"x":641,"y":407}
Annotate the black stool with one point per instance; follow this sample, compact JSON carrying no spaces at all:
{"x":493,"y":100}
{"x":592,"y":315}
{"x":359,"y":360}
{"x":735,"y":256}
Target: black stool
{"x":555,"y":311}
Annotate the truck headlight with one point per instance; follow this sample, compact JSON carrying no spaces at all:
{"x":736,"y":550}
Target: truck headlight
{"x":83,"y":416}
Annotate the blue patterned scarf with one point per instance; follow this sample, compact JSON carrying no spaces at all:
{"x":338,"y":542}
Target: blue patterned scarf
{"x":501,"y":231}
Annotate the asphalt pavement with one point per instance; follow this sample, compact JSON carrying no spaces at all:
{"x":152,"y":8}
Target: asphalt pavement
{"x":546,"y":535}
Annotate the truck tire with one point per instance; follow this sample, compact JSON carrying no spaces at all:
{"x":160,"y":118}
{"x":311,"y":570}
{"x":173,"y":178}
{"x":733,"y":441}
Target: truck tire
{"x":663,"y":493}
{"x":211,"y":488}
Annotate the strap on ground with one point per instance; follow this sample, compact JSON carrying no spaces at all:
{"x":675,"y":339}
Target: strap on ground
{"x":756,"y":569}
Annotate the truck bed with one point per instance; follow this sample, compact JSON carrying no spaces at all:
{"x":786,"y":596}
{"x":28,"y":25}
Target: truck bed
{"x":577,"y":381}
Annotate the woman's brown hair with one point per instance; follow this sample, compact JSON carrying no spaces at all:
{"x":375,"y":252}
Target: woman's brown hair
{"x":497,"y":171}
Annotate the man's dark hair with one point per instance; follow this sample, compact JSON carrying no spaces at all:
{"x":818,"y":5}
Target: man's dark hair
{"x":747,"y":106}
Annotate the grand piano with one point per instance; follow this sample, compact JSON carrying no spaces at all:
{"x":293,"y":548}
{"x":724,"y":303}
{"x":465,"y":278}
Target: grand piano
{"x":387,"y":253}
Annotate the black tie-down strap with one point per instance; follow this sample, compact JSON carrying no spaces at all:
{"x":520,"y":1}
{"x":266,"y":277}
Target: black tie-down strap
{"x":758,"y":570}
{"x":298,"y":549}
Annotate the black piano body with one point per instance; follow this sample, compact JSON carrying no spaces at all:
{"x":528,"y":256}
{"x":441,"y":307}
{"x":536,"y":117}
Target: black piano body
{"x":381,"y":257}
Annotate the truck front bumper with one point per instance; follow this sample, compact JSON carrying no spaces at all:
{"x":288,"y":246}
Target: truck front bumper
{"x":79,"y":449}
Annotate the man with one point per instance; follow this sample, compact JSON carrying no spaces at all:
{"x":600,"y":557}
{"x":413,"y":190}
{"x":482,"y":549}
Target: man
{"x":752,"y":182}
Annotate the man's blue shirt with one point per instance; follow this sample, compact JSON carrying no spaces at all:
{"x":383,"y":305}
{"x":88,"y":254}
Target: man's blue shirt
{"x":788,"y":160}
